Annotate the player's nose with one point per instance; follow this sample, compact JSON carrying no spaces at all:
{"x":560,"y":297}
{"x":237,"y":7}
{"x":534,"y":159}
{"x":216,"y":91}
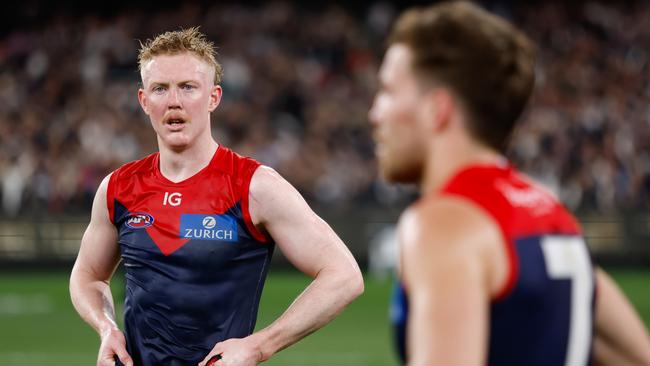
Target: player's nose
{"x":373,"y":115}
{"x":173,"y":100}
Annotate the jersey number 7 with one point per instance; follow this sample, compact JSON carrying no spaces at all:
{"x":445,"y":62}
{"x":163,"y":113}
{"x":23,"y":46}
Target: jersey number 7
{"x":568,"y":258}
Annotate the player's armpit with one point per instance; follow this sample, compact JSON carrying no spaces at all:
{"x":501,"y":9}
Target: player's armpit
{"x":446,"y":277}
{"x":620,"y":337}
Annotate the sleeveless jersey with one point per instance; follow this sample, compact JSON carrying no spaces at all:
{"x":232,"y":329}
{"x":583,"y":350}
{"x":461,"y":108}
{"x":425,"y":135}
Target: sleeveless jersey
{"x":195,"y":264}
{"x":544,"y":314}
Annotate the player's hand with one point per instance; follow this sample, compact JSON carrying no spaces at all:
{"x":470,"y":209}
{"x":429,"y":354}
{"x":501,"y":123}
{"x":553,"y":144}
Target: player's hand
{"x":113,"y":344}
{"x":235,"y":352}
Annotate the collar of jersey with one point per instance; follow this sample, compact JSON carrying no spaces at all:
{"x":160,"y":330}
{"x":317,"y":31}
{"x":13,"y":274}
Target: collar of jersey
{"x":189,"y":180}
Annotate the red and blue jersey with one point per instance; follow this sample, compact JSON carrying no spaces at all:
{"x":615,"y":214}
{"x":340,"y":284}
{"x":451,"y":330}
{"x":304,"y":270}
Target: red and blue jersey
{"x":195,"y":263}
{"x":544,"y":314}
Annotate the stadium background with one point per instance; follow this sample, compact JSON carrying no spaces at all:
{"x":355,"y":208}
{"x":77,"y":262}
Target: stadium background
{"x":298,"y":83}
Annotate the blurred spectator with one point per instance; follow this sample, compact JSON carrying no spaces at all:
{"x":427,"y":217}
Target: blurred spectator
{"x":297,"y":86}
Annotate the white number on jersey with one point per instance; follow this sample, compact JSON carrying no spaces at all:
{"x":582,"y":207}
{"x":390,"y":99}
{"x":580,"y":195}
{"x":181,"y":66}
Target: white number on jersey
{"x":568,"y":258}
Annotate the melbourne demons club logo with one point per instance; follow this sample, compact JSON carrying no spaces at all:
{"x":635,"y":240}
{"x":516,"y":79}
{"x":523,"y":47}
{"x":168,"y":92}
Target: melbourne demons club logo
{"x":139,"y":220}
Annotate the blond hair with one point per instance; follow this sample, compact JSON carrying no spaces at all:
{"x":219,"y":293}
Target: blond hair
{"x":175,"y":42}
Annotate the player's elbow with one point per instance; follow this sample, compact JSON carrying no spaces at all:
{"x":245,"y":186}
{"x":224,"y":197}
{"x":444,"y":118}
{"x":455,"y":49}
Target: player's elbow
{"x":359,"y":284}
{"x":353,"y":284}
{"x":343,"y":281}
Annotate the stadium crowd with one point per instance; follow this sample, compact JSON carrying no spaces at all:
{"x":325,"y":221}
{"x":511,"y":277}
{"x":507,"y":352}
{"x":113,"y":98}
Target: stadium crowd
{"x":298,"y":84}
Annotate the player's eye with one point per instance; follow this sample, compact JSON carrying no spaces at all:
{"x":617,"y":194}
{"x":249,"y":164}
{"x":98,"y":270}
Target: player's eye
{"x":188,"y":87}
{"x":158,"y":89}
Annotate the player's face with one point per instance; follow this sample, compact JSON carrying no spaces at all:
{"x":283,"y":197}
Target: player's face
{"x":178,"y":95}
{"x":396,"y":118}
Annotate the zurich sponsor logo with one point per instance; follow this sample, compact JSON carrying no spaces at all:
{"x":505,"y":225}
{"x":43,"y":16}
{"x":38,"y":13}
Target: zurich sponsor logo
{"x":139,"y":220}
{"x":208,"y":227}
{"x":209,"y":222}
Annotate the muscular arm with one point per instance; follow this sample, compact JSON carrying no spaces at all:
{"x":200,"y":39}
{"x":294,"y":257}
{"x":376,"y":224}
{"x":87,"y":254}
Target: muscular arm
{"x":89,"y":282}
{"x":445,"y":272}
{"x":620,"y":337}
{"x":311,"y":246}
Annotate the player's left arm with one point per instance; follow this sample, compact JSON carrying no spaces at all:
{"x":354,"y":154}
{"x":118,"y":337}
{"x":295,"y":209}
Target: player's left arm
{"x":620,"y":336}
{"x":310,"y":245}
{"x":446,"y":246}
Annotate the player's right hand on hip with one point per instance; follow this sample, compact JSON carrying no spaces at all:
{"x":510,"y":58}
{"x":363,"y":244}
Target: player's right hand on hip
{"x":113,"y":346}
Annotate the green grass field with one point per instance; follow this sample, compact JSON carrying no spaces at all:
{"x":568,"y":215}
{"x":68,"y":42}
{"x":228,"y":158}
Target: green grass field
{"x":38,"y":325}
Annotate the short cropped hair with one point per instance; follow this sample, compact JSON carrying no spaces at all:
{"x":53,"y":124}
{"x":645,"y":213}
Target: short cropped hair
{"x":483,"y":59}
{"x":175,"y":42}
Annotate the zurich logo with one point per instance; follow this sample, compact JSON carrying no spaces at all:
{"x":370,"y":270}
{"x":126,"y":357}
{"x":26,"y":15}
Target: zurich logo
{"x":209,"y":222}
{"x":209,"y":227}
{"x":139,"y":220}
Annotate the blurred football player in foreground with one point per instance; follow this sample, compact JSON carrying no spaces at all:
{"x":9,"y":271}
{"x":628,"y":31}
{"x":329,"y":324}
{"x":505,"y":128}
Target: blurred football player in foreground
{"x":493,"y":269}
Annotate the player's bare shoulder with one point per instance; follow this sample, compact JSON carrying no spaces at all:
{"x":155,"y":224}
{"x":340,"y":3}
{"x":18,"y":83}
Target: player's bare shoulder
{"x":439,"y":226}
{"x":448,"y":218}
{"x":265,"y":181}
{"x":99,"y":211}
{"x":103,"y":185}
{"x":269,"y":194}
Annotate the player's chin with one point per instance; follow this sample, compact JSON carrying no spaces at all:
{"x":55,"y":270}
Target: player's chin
{"x":397,"y":172}
{"x":176,"y":141}
{"x":390,"y":173}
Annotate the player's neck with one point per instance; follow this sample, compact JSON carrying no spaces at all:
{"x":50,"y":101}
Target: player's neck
{"x":178,"y":165}
{"x":446,"y":159}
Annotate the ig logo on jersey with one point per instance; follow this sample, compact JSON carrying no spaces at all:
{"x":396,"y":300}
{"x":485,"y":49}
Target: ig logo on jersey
{"x":208,"y":227}
{"x":172,"y":199}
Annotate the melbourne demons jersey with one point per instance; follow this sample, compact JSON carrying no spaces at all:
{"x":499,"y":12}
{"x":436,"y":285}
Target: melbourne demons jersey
{"x":544,"y":314}
{"x":195,"y":264}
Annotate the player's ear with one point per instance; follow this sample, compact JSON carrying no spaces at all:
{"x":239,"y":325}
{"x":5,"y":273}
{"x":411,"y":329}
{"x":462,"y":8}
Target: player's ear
{"x":215,"y":97}
{"x":142,"y":98}
{"x":441,"y":105}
